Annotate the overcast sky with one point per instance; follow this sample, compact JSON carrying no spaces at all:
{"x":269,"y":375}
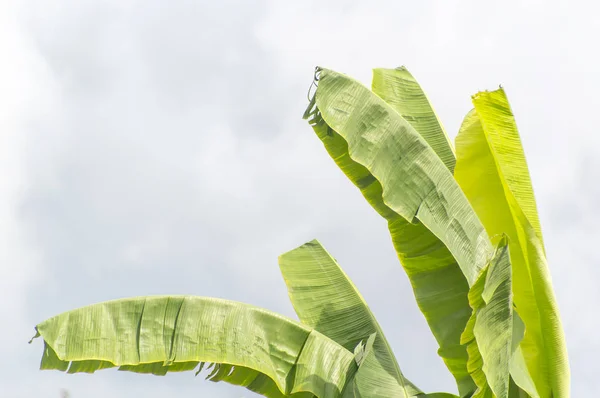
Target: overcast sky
{"x":154,"y":149}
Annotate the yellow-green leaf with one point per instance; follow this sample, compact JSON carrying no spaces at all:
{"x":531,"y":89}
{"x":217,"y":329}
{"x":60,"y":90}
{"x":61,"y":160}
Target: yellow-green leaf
{"x":494,"y":331}
{"x":492,"y":172}
{"x":249,"y":346}
{"x":326,"y":299}
{"x":438,"y":237}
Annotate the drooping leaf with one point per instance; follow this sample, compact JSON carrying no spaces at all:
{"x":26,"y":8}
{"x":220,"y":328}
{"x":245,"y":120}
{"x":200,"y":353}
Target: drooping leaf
{"x":415,"y":183}
{"x":326,"y":299}
{"x":439,"y":239}
{"x":249,"y":346}
{"x":493,"y":174}
{"x":401,"y":91}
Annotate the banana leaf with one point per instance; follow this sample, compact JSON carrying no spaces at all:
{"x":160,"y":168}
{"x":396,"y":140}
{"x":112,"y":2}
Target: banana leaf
{"x":248,"y":346}
{"x":492,"y":171}
{"x":326,"y":299}
{"x":402,"y":92}
{"x":437,"y":235}
{"x":494,"y":331}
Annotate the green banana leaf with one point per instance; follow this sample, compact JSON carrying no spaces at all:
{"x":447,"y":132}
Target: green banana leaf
{"x":362,"y":382}
{"x":401,"y":91}
{"x":492,"y":171}
{"x":415,"y":183}
{"x":326,"y":299}
{"x":437,"y":236}
{"x":494,"y":330}
{"x":361,"y":385}
{"x":521,"y":382}
{"x":249,"y":346}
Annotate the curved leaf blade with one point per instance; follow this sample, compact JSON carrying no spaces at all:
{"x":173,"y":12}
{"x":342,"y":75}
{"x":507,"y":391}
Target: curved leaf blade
{"x":438,"y":283}
{"x":326,"y":299}
{"x":416,"y":184}
{"x":258,"y":349}
{"x":402,"y":179}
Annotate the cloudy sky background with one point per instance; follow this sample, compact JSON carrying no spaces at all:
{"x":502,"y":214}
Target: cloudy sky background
{"x":154,"y":149}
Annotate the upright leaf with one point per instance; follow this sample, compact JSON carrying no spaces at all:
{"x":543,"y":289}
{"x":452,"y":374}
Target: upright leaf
{"x":440,"y":287}
{"x":438,"y":238}
{"x":326,"y":299}
{"x":492,"y":172}
{"x":401,"y":91}
{"x":252,"y":347}
{"x":502,"y":135}
{"x":415,"y":183}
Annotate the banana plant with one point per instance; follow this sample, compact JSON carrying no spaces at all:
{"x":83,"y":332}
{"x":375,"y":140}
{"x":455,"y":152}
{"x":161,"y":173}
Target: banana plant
{"x":464,"y":224}
{"x":336,"y":350}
